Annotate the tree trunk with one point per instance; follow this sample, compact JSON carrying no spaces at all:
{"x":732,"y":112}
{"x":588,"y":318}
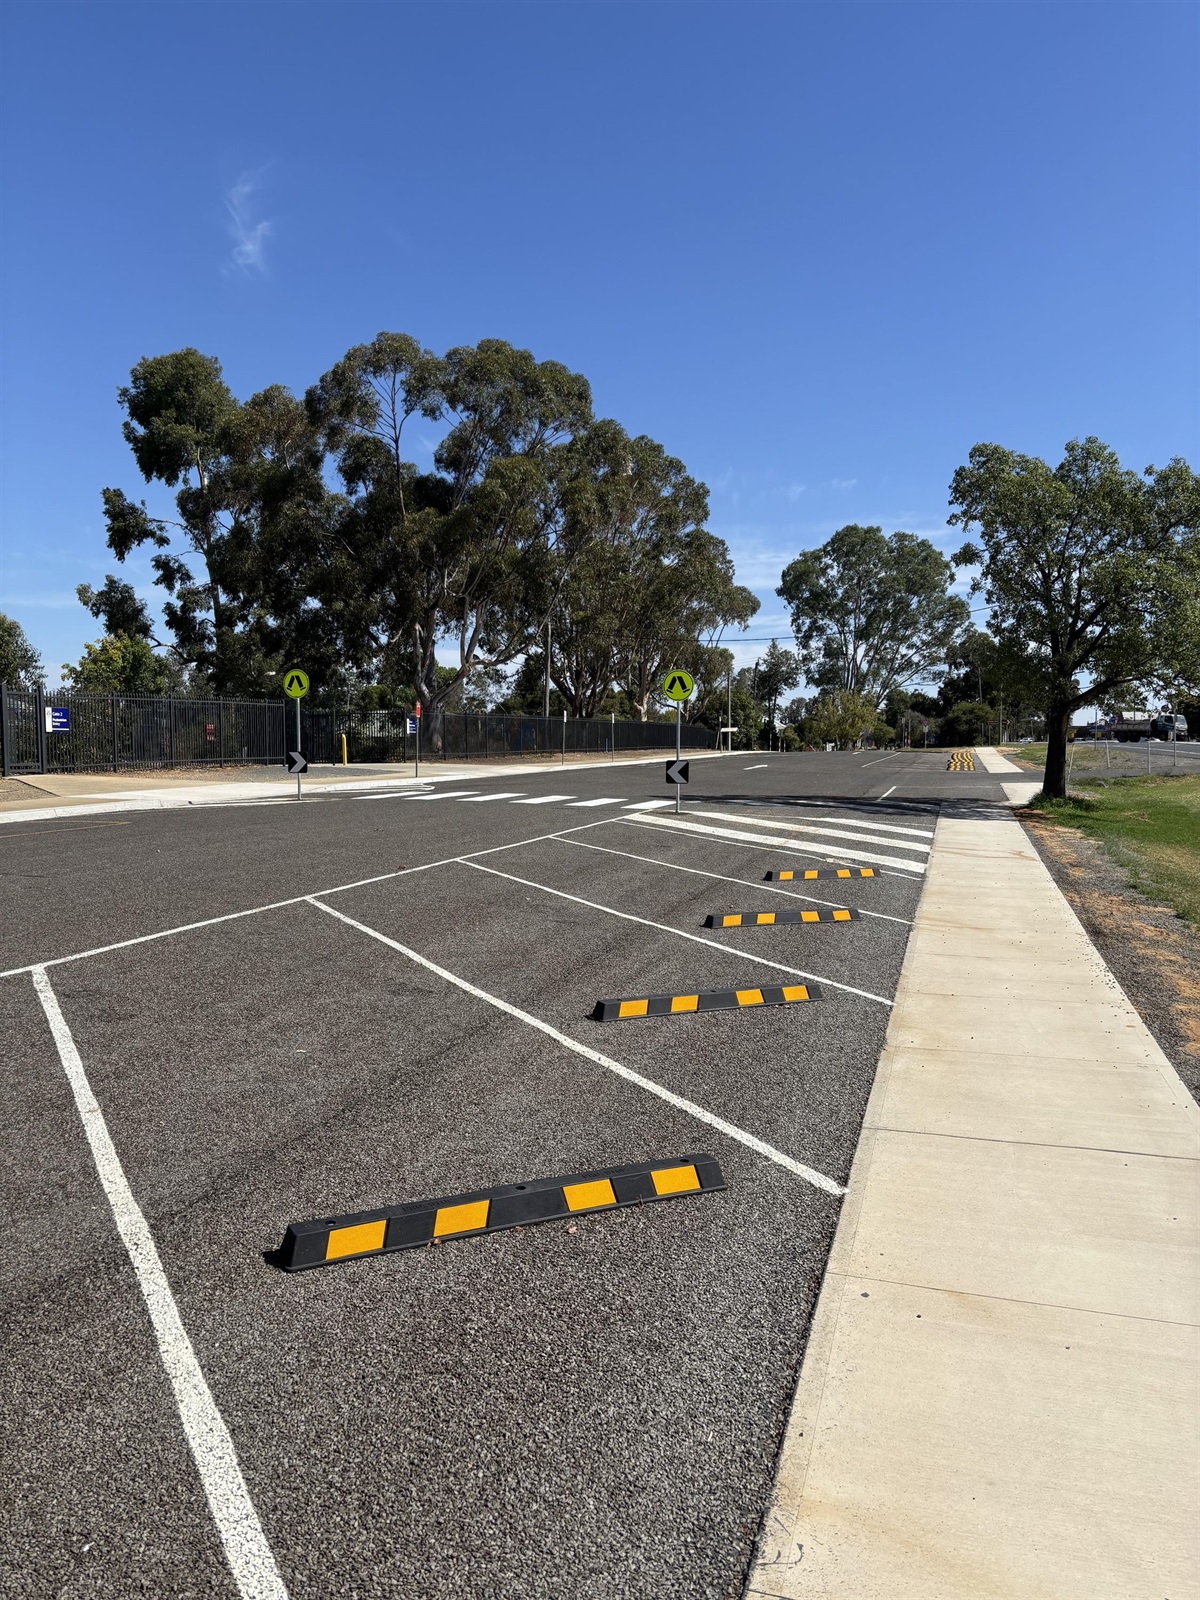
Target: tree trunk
{"x":1054,"y":780}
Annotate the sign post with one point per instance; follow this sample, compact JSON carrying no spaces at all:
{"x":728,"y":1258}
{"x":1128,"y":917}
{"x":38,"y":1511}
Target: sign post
{"x":416,"y":716}
{"x":678,"y":686}
{"x":295,"y":686}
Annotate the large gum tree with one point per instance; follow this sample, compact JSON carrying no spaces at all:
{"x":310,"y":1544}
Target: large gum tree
{"x":1091,"y":572}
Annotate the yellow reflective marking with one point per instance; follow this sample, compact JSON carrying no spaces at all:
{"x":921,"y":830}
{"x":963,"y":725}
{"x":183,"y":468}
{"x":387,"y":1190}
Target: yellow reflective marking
{"x":675,"y":1180}
{"x":581,"y":1196}
{"x":732,"y":922}
{"x":352,"y":1241}
{"x":749,"y":997}
{"x":810,"y":916}
{"x":460,"y":1219}
{"x":867,"y":872}
{"x":633,"y":1008}
{"x":812,"y":874}
{"x":786,"y":877}
{"x":843,"y":872}
{"x":765,"y":918}
{"x":841,"y":916}
{"x":795,"y":991}
{"x":685,"y":1002}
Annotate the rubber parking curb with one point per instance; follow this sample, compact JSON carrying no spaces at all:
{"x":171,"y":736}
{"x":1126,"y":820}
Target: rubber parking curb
{"x":673,"y":1005}
{"x":326,"y":1240}
{"x":769,"y":919}
{"x":807,"y":874}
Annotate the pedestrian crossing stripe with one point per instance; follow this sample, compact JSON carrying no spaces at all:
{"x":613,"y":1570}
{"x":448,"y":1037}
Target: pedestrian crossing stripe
{"x":417,"y":1223}
{"x":770,"y":919}
{"x":703,"y":1000}
{"x":807,"y":874}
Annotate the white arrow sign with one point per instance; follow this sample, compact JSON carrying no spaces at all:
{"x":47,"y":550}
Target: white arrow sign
{"x":297,"y":761}
{"x":677,"y":772}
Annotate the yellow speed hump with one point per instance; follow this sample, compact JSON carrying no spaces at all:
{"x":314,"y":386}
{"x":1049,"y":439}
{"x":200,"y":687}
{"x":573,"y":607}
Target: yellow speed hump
{"x":678,"y":685}
{"x":295,"y":684}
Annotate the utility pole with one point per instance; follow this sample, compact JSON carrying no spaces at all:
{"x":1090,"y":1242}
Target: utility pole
{"x":729,"y":707}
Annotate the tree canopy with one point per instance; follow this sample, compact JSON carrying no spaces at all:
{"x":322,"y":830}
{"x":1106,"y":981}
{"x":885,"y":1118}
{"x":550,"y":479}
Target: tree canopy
{"x":303,"y":531}
{"x":20,"y":663}
{"x":872,"y":613}
{"x":1091,"y":571}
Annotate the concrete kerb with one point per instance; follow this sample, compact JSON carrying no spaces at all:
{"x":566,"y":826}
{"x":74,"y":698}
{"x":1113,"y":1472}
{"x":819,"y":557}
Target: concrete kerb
{"x":238,"y":792}
{"x":1005,"y":1340}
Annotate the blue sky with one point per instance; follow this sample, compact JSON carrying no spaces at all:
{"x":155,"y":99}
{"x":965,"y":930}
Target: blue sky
{"x":818,"y":250}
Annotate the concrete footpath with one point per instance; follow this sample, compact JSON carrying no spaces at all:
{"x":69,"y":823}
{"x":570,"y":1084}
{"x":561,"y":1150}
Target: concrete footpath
{"x":999,"y":1396}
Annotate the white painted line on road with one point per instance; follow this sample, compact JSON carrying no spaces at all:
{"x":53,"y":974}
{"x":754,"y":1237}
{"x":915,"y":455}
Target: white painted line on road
{"x":479,"y":799}
{"x":542,"y":800}
{"x":443,"y":794}
{"x":761,"y":767}
{"x":797,"y":1168}
{"x":890,"y":756}
{"x":886,"y":792}
{"x":610,"y":800}
{"x":746,"y":883}
{"x":680,"y":933}
{"x":819,"y":848}
{"x":835,"y":805}
{"x":649,"y":805}
{"x":246,"y":1549}
{"x":280,"y":905}
{"x":831,"y":828}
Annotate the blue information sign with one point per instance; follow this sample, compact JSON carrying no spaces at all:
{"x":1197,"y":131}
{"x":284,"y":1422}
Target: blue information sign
{"x":58,"y":719}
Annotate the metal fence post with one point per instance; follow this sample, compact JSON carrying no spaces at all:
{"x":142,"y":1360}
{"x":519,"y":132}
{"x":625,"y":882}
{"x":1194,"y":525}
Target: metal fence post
{"x":171,"y":745}
{"x":40,"y":708}
{"x":220,"y":731}
{"x":5,"y":736}
{"x":113,"y":709}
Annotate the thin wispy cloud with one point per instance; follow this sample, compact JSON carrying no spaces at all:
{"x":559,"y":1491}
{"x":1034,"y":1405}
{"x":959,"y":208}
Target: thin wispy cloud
{"x":248,"y":230}
{"x":844,"y":483}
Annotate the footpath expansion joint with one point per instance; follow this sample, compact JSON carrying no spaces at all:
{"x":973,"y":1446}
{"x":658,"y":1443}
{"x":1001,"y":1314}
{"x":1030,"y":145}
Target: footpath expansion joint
{"x":320,"y":1242}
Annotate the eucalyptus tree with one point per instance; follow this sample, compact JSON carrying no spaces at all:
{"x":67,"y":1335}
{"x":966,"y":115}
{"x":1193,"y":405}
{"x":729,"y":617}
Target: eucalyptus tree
{"x":471,"y":552}
{"x":232,"y":466}
{"x":872,"y":613}
{"x":1091,"y":572}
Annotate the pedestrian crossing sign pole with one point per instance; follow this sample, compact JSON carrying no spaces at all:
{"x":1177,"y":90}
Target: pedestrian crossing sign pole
{"x":678,"y":686}
{"x":295,"y":686}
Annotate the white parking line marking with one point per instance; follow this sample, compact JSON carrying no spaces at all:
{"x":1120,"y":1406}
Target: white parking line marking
{"x":443,"y":794}
{"x":761,"y":767}
{"x":819,"y":848}
{"x":746,"y":883}
{"x":479,"y":799}
{"x":831,"y":828}
{"x":886,"y":792}
{"x":680,"y":933}
{"x":280,"y":905}
{"x":797,"y":1168}
{"x":818,"y":805}
{"x":610,"y":800}
{"x":649,"y":805}
{"x":542,"y":800}
{"x":891,"y":754}
{"x":246,"y":1548}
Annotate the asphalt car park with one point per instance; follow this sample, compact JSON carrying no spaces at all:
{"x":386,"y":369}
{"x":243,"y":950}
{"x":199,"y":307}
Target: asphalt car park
{"x":229,"y":1019}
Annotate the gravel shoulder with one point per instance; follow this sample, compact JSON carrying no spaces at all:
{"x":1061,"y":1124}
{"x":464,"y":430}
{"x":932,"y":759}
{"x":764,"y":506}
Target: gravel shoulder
{"x":1153,"y":953}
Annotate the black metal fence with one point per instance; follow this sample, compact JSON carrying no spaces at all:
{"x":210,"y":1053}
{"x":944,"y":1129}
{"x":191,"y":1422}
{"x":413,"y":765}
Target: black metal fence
{"x":45,"y":731}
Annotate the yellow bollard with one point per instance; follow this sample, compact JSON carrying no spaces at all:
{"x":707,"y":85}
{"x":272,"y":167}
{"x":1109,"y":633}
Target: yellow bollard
{"x":345,"y":763}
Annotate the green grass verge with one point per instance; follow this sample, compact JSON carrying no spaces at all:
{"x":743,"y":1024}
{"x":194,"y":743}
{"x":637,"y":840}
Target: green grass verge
{"x":1150,"y":825}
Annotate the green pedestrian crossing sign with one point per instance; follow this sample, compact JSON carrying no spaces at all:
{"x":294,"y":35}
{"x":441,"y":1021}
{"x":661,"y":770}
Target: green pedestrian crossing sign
{"x":295,"y":684}
{"x":678,"y":685}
